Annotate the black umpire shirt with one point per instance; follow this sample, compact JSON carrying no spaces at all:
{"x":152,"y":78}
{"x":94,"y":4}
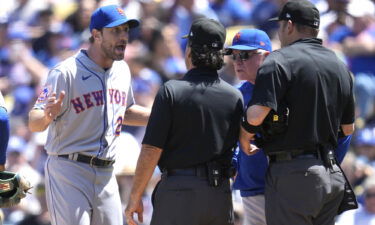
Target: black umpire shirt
{"x":194,"y":120}
{"x":315,"y":85}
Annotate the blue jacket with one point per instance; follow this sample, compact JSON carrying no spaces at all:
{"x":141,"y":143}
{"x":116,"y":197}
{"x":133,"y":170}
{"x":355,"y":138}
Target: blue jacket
{"x":251,"y":170}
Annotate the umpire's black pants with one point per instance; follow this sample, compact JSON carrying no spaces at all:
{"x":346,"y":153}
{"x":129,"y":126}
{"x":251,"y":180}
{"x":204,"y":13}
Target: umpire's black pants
{"x":189,"y":200}
{"x":303,"y":192}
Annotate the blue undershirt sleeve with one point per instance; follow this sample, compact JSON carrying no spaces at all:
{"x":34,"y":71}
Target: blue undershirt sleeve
{"x":4,"y":134}
{"x":342,"y":147}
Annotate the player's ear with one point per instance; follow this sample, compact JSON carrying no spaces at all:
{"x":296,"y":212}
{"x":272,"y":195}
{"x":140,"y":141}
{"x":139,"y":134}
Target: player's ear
{"x":97,"y":34}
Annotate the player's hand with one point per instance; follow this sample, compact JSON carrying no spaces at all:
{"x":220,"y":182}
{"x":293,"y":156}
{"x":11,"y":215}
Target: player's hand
{"x":53,"y":106}
{"x":246,"y":146}
{"x":253,"y":149}
{"x":134,"y":207}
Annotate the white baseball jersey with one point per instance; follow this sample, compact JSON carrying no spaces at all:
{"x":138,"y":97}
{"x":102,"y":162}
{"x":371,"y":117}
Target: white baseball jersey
{"x":93,"y":108}
{"x":2,"y":102}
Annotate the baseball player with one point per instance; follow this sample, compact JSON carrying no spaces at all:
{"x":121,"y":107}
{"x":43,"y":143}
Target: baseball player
{"x":249,"y":49}
{"x":85,"y":101}
{"x":4,"y":132}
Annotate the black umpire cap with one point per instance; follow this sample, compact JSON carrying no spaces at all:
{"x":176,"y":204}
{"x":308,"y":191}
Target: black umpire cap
{"x":301,"y":12}
{"x":205,"y":32}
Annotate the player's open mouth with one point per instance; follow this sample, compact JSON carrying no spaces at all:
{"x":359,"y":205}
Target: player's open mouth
{"x":120,"y":48}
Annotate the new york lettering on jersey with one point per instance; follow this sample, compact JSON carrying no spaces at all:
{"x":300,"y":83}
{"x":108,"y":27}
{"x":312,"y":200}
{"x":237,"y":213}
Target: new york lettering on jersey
{"x":100,"y":98}
{"x":95,"y":98}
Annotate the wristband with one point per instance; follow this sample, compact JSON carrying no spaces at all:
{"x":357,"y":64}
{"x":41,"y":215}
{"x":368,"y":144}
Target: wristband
{"x":248,"y":127}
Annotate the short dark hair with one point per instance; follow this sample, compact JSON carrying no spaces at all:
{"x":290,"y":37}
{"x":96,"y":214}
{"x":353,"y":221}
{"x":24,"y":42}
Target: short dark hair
{"x":207,"y":58}
{"x":307,"y":29}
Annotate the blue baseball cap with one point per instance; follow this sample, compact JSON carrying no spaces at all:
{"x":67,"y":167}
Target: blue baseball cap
{"x":251,"y":39}
{"x":110,"y":16}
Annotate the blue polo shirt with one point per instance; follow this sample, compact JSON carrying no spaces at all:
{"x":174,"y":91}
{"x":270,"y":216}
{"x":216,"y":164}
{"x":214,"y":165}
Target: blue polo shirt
{"x":251,"y":170}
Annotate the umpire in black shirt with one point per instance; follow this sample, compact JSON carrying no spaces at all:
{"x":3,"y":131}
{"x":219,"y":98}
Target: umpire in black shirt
{"x":192,"y":130}
{"x":312,"y":90}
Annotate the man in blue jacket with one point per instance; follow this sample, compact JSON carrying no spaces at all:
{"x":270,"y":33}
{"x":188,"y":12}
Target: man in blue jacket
{"x":249,"y":49}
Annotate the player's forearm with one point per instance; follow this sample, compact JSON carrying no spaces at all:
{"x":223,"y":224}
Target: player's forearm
{"x":146,"y":164}
{"x":38,"y":121}
{"x":137,"y":115}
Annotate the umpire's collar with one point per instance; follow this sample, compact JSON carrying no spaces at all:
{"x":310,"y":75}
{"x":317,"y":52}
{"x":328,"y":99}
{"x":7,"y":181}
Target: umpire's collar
{"x":309,"y":40}
{"x":197,"y":73}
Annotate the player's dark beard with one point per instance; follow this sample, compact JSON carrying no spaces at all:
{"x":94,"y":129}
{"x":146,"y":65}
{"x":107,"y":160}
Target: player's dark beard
{"x":110,"y":51}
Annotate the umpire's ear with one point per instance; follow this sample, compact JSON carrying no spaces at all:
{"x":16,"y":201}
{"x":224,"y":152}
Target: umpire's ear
{"x":188,"y":62}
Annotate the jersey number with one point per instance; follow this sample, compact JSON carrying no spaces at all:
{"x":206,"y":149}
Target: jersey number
{"x":119,"y":125}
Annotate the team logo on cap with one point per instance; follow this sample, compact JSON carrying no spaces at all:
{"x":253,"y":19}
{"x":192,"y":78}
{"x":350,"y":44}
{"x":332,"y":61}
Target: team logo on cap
{"x":288,"y":16}
{"x":262,"y":43}
{"x":119,"y":10}
{"x":237,"y":36}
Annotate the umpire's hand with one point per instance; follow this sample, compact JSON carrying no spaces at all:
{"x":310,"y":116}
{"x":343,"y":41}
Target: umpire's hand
{"x":134,"y":206}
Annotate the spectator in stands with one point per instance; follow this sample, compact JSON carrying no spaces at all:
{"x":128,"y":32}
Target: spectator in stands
{"x":357,"y":42}
{"x":365,"y":214}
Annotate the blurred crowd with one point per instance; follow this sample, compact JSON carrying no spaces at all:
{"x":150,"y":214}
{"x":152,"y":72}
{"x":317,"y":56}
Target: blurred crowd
{"x":35,"y":35}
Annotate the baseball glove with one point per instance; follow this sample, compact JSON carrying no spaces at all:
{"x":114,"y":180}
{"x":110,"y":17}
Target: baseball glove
{"x":13,"y":187}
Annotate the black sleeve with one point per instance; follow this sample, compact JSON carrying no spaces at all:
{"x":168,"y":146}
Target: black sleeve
{"x":158,"y":126}
{"x":348,"y":115}
{"x":270,"y":84}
